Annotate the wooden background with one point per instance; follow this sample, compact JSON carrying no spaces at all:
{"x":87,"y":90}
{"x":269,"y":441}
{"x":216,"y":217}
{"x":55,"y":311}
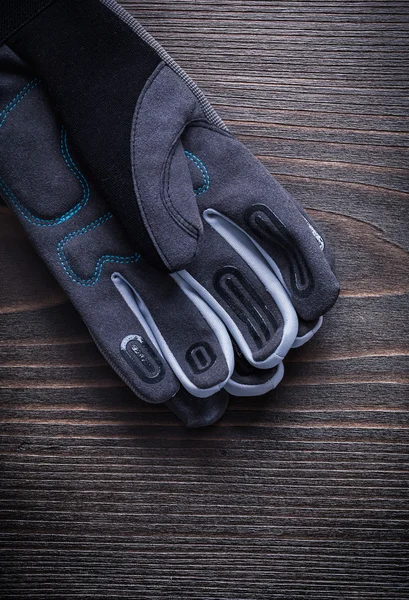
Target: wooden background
{"x":301,"y":495}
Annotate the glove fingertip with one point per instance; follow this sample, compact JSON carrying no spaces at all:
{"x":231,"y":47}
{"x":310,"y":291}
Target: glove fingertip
{"x":198,"y":412}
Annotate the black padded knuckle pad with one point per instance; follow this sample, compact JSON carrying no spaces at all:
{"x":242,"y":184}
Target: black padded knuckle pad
{"x":247,"y":304}
{"x":143,"y":358}
{"x":267,"y":226}
{"x":200,"y":357}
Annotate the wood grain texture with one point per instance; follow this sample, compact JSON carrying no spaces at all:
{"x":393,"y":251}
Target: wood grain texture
{"x":302,"y":494}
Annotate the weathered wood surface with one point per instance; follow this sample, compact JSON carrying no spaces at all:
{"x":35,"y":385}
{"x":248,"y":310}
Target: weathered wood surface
{"x":299,"y":495}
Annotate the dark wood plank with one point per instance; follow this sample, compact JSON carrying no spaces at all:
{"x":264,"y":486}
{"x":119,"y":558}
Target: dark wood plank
{"x":301,"y":494}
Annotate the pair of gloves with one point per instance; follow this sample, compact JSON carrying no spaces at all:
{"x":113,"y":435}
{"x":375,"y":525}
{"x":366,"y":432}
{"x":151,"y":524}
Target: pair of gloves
{"x":193,"y":269}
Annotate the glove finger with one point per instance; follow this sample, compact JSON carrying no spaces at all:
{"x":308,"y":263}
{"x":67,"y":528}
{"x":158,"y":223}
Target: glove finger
{"x":240,"y":188}
{"x":245,"y":245}
{"x":306,"y":330}
{"x":189,"y":335}
{"x":198,"y":412}
{"x":240,"y":287}
{"x":249,"y":381}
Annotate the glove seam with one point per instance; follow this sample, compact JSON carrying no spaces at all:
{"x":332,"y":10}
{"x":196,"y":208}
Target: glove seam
{"x":202,"y":168}
{"x":113,"y":258}
{"x":179,"y":219}
{"x":190,"y":228}
{"x":14,"y":102}
{"x":26,"y":212}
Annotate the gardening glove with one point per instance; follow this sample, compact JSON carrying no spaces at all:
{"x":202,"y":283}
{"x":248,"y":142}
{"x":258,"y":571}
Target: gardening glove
{"x":238,"y":291}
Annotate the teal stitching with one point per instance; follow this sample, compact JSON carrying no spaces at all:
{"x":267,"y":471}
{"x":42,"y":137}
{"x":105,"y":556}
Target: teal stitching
{"x":101,"y":261}
{"x":35,"y":220}
{"x":77,"y":173}
{"x":29,"y":84}
{"x":206,"y":178}
{"x":18,"y":98}
{"x":31,"y":217}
